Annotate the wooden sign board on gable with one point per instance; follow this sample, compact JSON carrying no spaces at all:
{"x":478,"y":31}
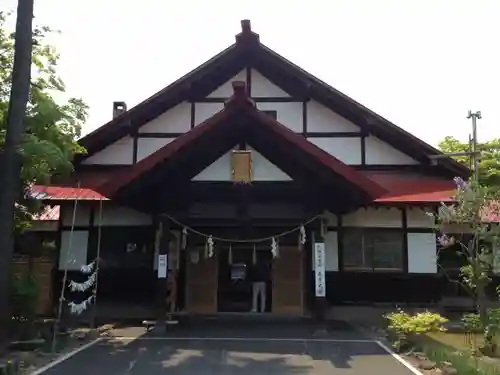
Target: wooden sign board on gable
{"x":241,"y":166}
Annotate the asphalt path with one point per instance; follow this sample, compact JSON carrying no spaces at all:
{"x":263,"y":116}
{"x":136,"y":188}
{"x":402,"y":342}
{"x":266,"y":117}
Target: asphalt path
{"x":194,"y":351}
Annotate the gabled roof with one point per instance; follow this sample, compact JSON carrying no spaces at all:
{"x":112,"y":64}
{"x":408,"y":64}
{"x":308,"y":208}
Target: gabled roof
{"x":248,"y":51}
{"x":236,"y":106}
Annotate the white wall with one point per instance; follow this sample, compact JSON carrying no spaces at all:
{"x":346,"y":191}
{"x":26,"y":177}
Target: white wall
{"x":323,"y":120}
{"x":288,"y":114}
{"x":378,"y":152}
{"x":73,"y":252}
{"x":262,"y":87}
{"x":262,"y":169}
{"x":226,"y":89}
{"x":204,"y":111}
{"x":146,"y":146}
{"x":119,"y":152}
{"x":347,"y":150}
{"x":175,"y":120}
{"x":422,"y":255}
{"x":320,"y":119}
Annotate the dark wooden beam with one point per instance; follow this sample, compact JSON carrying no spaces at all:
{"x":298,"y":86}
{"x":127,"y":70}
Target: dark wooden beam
{"x":257,"y":99}
{"x":304,"y":118}
{"x":333,"y":134}
{"x":192,"y":115}
{"x":248,"y":72}
{"x":160,"y":135}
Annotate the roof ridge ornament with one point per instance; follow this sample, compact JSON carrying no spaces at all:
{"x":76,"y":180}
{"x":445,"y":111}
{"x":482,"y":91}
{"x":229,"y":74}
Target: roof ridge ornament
{"x":247,"y":35}
{"x":240,"y":95}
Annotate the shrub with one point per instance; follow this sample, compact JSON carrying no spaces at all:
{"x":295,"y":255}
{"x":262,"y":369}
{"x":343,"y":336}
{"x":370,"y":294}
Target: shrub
{"x":403,"y":326}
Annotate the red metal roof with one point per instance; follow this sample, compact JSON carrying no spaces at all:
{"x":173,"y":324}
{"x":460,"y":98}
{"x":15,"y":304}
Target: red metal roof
{"x":43,"y":192}
{"x":414,"y":190}
{"x":241,"y":102}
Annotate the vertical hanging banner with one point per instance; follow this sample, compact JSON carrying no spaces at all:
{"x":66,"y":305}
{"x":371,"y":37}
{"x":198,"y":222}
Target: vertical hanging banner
{"x":162,"y":266}
{"x":319,"y":269}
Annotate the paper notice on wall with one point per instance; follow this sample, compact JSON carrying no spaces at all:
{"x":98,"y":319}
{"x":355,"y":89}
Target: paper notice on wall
{"x":319,"y":267}
{"x":162,"y":266}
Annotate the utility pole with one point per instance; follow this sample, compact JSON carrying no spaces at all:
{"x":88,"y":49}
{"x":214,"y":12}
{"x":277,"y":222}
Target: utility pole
{"x":473,"y":151}
{"x":475,"y":157}
{"x":11,"y":160}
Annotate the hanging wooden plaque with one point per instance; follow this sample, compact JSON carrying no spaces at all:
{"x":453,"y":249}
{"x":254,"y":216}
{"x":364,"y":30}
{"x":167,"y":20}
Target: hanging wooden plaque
{"x":241,"y":165}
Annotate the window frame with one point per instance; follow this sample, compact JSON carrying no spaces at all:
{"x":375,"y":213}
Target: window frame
{"x":368,"y":251}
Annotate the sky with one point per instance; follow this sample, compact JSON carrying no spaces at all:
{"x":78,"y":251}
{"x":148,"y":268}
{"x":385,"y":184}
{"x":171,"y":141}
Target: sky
{"x":422,"y":64}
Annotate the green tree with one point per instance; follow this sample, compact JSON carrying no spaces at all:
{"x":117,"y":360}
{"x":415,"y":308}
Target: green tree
{"x":466,"y":223}
{"x":51,"y":127}
{"x":489,"y":162}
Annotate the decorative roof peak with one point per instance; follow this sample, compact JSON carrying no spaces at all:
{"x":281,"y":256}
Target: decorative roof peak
{"x":240,"y":95}
{"x":247,"y":35}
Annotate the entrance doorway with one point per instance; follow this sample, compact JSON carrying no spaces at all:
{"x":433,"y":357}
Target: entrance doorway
{"x":238,"y":268}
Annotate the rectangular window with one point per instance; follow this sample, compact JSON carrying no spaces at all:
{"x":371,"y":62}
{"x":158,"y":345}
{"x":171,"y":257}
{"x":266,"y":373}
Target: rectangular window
{"x":373,"y":250}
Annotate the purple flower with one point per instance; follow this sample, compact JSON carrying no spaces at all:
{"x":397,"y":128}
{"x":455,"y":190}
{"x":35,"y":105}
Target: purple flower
{"x":445,"y":240}
{"x":460,"y":183}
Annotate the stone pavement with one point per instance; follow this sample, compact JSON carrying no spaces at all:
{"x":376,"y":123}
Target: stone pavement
{"x":230,"y":348}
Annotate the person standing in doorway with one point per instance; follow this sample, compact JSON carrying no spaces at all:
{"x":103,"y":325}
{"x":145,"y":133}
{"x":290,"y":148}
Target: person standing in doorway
{"x":260,"y":276}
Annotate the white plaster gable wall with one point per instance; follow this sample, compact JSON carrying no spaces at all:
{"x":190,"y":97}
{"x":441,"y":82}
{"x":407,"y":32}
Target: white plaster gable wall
{"x":220,"y":170}
{"x":347,"y":150}
{"x":378,"y":152}
{"x":226,"y":89}
{"x":204,"y":111}
{"x":146,"y":146}
{"x":262,"y":169}
{"x":288,"y":114}
{"x":262,"y":87}
{"x":323,"y":120}
{"x":175,"y":120}
{"x":119,"y":152}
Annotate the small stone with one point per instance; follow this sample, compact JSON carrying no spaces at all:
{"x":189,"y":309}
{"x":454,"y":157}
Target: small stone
{"x":427,"y":365}
{"x":449,"y":371}
{"x":420,"y":355}
{"x":80,"y":335}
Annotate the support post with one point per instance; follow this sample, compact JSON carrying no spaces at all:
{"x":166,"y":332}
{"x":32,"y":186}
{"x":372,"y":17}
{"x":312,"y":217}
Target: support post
{"x":163,"y":269}
{"x":319,"y":261}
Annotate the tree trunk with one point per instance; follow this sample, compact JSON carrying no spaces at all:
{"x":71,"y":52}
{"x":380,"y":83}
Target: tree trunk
{"x":11,"y":163}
